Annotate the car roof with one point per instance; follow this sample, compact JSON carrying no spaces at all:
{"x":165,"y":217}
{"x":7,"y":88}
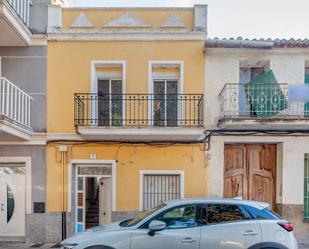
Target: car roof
{"x":258,"y":205}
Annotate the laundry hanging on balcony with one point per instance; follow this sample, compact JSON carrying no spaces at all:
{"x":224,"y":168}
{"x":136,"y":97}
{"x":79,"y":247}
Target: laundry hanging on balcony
{"x":265,"y":96}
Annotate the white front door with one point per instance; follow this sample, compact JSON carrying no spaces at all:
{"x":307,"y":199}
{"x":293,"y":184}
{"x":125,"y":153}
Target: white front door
{"x":12,"y":202}
{"x":105,"y":200}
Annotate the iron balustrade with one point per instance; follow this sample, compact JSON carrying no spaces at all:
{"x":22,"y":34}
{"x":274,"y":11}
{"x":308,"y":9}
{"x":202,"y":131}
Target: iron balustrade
{"x":21,"y":8}
{"x":138,"y":110}
{"x":14,"y":103}
{"x":259,"y":101}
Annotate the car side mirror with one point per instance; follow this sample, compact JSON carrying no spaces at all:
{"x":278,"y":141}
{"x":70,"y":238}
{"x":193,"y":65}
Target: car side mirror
{"x":156,"y":226}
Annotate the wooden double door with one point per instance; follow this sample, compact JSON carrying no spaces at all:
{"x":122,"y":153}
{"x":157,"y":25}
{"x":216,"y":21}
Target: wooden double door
{"x":250,"y":172}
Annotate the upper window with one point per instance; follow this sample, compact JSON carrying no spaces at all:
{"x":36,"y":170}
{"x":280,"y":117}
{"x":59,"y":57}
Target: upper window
{"x":217,"y":213}
{"x":110,"y":100}
{"x":178,"y":217}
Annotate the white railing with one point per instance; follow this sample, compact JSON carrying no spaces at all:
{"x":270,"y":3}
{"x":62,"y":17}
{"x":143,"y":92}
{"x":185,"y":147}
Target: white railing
{"x":260,"y":101}
{"x":22,"y":9}
{"x":14,"y":103}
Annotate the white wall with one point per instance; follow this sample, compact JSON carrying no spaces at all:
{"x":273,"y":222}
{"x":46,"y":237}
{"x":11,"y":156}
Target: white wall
{"x":222,"y":66}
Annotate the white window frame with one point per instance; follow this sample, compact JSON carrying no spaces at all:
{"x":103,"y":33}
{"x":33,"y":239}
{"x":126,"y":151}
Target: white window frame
{"x":142,"y":173}
{"x":152,"y":76}
{"x":94,"y":85}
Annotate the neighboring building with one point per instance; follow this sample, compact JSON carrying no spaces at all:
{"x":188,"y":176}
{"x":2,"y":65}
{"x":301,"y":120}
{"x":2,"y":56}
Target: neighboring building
{"x":257,"y":133}
{"x":125,"y":111}
{"x":23,"y":50}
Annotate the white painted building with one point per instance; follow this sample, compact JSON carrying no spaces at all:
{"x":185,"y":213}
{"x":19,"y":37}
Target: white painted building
{"x":258,"y":139}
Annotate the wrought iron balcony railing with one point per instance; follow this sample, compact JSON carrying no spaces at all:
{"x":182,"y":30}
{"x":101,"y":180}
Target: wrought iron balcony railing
{"x":139,"y":110}
{"x":14,"y":103}
{"x":259,"y":101}
{"x":22,"y":9}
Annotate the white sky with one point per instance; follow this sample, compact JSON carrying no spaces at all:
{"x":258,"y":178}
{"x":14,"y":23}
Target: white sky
{"x":233,"y":18}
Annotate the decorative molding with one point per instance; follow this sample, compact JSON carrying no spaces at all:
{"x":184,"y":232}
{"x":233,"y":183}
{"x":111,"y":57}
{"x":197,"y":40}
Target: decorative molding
{"x":81,"y":21}
{"x":127,"y":20}
{"x":125,"y":35}
{"x":173,"y":21}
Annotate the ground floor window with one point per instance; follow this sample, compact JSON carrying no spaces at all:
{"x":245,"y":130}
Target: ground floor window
{"x":158,"y":188}
{"x":306,"y":188}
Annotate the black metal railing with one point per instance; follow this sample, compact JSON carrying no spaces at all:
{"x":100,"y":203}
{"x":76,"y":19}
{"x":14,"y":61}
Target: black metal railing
{"x":260,"y":101}
{"x":138,"y":110}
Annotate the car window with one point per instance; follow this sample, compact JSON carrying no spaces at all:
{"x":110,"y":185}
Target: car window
{"x":177,"y":217}
{"x":217,"y":213}
{"x":264,"y":214}
{"x":141,"y":216}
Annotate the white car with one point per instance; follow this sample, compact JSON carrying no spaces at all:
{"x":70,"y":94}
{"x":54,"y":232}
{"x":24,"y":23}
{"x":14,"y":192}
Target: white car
{"x":193,"y":224}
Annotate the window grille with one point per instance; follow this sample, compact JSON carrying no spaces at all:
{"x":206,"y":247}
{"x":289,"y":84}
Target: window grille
{"x":160,"y":188}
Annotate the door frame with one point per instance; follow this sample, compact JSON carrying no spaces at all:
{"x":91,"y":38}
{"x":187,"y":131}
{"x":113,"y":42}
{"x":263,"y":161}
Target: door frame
{"x":27,"y":162}
{"x":71,"y":199}
{"x":28,"y":183}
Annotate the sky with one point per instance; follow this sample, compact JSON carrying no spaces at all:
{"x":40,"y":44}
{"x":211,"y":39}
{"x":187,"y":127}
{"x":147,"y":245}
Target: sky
{"x":233,"y":18}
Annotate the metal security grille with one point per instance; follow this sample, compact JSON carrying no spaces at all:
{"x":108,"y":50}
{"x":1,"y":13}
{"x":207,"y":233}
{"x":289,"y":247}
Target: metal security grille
{"x":160,"y":188}
{"x":306,"y":188}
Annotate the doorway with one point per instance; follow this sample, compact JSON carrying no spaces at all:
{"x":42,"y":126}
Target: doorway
{"x":12,"y":201}
{"x":250,"y":172}
{"x":93,"y":196}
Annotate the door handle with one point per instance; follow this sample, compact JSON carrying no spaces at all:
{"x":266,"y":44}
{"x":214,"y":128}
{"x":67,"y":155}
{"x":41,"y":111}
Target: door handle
{"x":250,"y":233}
{"x":188,"y":240}
{"x":2,"y":207}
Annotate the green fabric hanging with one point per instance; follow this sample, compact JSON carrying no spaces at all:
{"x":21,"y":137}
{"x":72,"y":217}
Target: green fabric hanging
{"x":265,"y":96}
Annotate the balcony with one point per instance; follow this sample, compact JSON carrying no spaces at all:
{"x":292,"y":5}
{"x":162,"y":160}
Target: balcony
{"x":139,"y":117}
{"x":261,"y":106}
{"x":14,"y":112}
{"x":14,"y":23}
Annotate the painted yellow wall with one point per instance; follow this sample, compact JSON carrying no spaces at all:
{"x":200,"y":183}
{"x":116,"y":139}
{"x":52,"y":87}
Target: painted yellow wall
{"x":69,"y":66}
{"x":130,"y":159}
{"x":154,"y":17}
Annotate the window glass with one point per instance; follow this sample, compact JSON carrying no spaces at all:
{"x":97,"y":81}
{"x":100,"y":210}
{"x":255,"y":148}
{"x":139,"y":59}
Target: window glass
{"x":178,"y":217}
{"x":264,"y":214}
{"x":217,"y":213}
{"x":141,"y":216}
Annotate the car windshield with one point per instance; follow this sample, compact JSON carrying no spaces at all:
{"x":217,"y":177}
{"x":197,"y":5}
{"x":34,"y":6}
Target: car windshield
{"x":141,"y":216}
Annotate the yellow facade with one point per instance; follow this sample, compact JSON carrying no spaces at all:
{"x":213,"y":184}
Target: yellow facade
{"x":130,"y":159}
{"x":69,"y":72}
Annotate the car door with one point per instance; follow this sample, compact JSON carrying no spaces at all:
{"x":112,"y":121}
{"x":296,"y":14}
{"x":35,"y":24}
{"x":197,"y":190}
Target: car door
{"x":229,"y":226}
{"x":182,"y":230}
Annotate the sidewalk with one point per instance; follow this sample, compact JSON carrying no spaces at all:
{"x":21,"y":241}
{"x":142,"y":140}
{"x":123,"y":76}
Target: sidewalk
{"x":19,"y":245}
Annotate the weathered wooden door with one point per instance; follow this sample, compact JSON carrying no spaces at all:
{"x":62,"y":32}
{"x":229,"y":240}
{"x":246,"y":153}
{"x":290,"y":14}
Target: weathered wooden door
{"x":250,"y":172}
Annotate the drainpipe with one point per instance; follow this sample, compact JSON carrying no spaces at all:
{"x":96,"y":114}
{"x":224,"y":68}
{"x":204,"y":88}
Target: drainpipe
{"x":63,"y":150}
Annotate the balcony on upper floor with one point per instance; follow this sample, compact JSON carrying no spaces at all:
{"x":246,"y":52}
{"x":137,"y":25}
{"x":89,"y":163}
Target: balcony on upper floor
{"x":261,"y":107}
{"x":14,"y":112}
{"x":14,"y":23}
{"x":139,"y":117}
